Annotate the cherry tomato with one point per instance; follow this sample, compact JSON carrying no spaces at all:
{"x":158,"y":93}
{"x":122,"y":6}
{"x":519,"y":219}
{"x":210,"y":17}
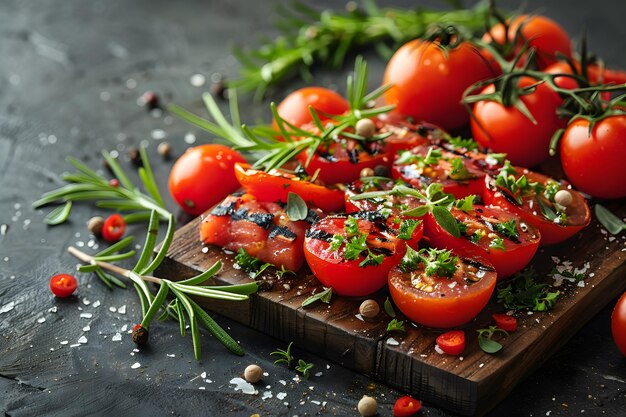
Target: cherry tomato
{"x":538,"y":208}
{"x":63,"y":285}
{"x":390,"y":205}
{"x":262,"y":229}
{"x":506,"y":129}
{"x":343,"y":161}
{"x":348,"y":272}
{"x":442,"y":302}
{"x":295,"y":107}
{"x":113,"y":228}
{"x":452,"y":342}
{"x":505,"y":322}
{"x":426,"y":164}
{"x":595,"y":162}
{"x":277,"y":184}
{"x":618,"y":324}
{"x":595,"y":75}
{"x":203,"y":176}
{"x":428,"y":80}
{"x":543,"y":34}
{"x":492,"y":233}
{"x":406,"y":406}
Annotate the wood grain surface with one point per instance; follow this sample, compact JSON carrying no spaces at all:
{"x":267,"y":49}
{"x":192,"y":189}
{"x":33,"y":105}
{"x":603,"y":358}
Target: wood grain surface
{"x":472,"y":384}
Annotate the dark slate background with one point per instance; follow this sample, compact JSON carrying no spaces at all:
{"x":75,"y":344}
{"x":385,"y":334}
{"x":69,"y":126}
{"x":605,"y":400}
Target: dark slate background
{"x":70,"y":75}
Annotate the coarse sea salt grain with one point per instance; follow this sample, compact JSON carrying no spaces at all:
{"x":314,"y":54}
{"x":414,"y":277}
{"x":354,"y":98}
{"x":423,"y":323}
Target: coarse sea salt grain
{"x":438,"y":350}
{"x":392,"y":342}
{"x":135,"y":365}
{"x":122,"y":309}
{"x":41,"y":320}
{"x":86,"y":315}
{"x":243,"y":386}
{"x":116,"y":337}
{"x":7,"y":307}
{"x":266,"y":395}
{"x":281,"y":395}
{"x":82,"y":340}
{"x":96,"y":304}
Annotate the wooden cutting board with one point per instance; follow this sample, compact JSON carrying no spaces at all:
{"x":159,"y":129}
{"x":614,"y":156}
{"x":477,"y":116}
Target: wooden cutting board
{"x":469,"y":385}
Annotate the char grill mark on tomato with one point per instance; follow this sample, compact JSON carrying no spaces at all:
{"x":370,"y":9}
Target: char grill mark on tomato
{"x":458,"y":174}
{"x":261,"y":228}
{"x":509,"y":250}
{"x":326,"y":250}
{"x":534,"y":206}
{"x":276,"y":185}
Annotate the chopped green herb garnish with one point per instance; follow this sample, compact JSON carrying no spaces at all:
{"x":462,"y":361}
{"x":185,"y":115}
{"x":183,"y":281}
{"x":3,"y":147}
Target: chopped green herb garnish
{"x":462,"y":227}
{"x":351,"y":226}
{"x":459,"y":142}
{"x":323,"y":296}
{"x":336,"y":241}
{"x":525,"y":293}
{"x":250,"y":264}
{"x":485,"y":341}
{"x":388,"y":307}
{"x":477,"y":235}
{"x":304,"y":368}
{"x":396,"y":326}
{"x":296,"y":207}
{"x":407,"y":227}
{"x":439,"y":262}
{"x":433,"y":156}
{"x":459,"y":170}
{"x":610,"y":221}
{"x":552,"y":187}
{"x":371,"y":259}
{"x":497,"y":243}
{"x":354,"y":247}
{"x":508,"y":229}
{"x":466,"y":204}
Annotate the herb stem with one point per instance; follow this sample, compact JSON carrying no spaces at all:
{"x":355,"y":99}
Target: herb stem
{"x":109,"y":266}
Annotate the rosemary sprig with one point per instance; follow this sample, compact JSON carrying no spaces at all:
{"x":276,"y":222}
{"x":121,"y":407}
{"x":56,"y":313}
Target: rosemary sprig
{"x":273,"y":153}
{"x":86,"y":184}
{"x":182,"y":308}
{"x":309,"y":37}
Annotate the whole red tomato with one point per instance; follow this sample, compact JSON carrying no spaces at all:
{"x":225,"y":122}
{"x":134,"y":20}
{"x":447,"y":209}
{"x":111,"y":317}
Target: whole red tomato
{"x":594,"y":161}
{"x":543,"y":34}
{"x":428,"y":80}
{"x":295,"y":107}
{"x":506,"y":129}
{"x":203,"y":176}
{"x":618,"y":324}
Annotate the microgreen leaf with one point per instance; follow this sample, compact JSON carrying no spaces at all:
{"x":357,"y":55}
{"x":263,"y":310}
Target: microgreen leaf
{"x":323,"y":296}
{"x":466,"y":204}
{"x":304,"y":368}
{"x":610,"y":221}
{"x":59,"y":214}
{"x":284,"y":356}
{"x":497,"y":243}
{"x":407,"y":227}
{"x":446,"y":220}
{"x":458,"y":142}
{"x":336,"y":241}
{"x":296,"y":207}
{"x":396,"y":326}
{"x":250,"y":264}
{"x":508,"y":229}
{"x":388,"y":307}
{"x":485,"y":341}
{"x":524,"y":292}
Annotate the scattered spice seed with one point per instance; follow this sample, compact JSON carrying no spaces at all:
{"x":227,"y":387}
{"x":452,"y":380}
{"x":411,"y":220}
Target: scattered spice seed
{"x":369,"y":309}
{"x":151,"y":100}
{"x":165,"y":150}
{"x":367,"y":406}
{"x":114,"y":182}
{"x":366,"y":172}
{"x":218,"y":85}
{"x":95,"y":225}
{"x":381,"y":171}
{"x":135,"y":157}
{"x":365,"y":128}
{"x":253,"y":373}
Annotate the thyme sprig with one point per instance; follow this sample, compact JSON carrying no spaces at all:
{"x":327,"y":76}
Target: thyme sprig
{"x":272,"y":152}
{"x":309,"y":37}
{"x":88,"y":185}
{"x":182,"y":308}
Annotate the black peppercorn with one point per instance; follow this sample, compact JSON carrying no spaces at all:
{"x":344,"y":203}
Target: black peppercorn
{"x":381,"y":171}
{"x":135,"y":157}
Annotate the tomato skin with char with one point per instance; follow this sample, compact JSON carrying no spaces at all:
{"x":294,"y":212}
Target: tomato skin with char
{"x":343,"y":161}
{"x":595,"y":164}
{"x":579,"y":215}
{"x":345,"y":276}
{"x":419,"y":176}
{"x":276,"y":186}
{"x":447,"y":305}
{"x":394,"y":204}
{"x":422,"y":70}
{"x":406,"y":134}
{"x":261,"y":228}
{"x":517,"y":253}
